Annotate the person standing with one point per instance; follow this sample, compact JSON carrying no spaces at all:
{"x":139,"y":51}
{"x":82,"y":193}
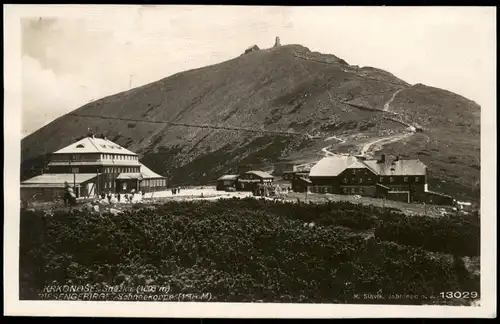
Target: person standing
{"x":66,"y":194}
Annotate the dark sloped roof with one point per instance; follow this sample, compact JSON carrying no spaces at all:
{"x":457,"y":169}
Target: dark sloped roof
{"x":261,"y":174}
{"x":334,"y":165}
{"x":397,"y":168}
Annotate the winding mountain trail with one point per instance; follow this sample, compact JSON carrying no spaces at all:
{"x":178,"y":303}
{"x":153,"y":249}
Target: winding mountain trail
{"x":376,"y":145}
{"x":387,"y":105}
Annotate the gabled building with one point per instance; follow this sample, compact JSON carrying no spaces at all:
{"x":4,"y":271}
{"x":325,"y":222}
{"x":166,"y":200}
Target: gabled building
{"x":398,"y":179}
{"x":249,"y":180}
{"x":227,"y":181}
{"x":92,"y":166}
{"x":245,"y":180}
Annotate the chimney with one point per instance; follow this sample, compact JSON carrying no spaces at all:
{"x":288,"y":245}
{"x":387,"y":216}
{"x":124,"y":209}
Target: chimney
{"x":382,"y":159}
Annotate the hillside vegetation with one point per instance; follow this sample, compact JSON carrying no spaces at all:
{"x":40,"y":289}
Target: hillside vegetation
{"x":287,"y":88}
{"x":246,"y":250}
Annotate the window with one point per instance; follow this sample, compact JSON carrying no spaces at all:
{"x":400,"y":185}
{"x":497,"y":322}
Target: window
{"x":345,"y":190}
{"x":361,"y":190}
{"x":369,"y":179}
{"x":110,"y":185}
{"x":124,"y":186}
{"x":381,"y":179}
{"x":105,"y":185}
{"x":391,"y":179}
{"x":360,"y":180}
{"x":417,"y":179}
{"x":345,"y":180}
{"x":80,"y":146}
{"x":405,"y":179}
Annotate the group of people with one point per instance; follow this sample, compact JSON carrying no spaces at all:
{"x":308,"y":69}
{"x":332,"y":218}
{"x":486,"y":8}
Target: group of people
{"x":176,"y":191}
{"x":126,"y":197}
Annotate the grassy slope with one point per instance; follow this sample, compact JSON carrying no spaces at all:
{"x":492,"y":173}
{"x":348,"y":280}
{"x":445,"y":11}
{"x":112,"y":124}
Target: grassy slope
{"x":450,"y":146}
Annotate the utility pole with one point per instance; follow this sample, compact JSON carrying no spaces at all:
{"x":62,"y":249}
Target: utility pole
{"x":74,"y":174}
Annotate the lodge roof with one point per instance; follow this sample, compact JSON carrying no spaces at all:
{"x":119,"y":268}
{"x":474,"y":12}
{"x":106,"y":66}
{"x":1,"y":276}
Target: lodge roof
{"x":332,"y":166}
{"x":437,"y":194}
{"x":396,"y":168}
{"x":229,"y":177}
{"x":57,"y":179}
{"x":94,"y":145}
{"x":136,"y":175}
{"x":147,"y":173}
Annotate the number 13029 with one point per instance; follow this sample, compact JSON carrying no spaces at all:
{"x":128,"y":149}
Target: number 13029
{"x":459,"y":294}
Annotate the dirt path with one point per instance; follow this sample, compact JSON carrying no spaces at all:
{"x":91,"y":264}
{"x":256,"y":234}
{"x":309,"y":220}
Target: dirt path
{"x":376,"y":145}
{"x":387,"y":105}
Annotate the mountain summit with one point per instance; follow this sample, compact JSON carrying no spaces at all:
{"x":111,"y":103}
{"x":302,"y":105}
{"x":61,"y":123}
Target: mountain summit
{"x":284,"y":102}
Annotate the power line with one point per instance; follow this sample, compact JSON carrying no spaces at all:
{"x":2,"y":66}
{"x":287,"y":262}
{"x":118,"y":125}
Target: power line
{"x":252,"y":130}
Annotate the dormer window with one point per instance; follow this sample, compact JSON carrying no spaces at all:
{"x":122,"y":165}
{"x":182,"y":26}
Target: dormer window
{"x":80,"y":146}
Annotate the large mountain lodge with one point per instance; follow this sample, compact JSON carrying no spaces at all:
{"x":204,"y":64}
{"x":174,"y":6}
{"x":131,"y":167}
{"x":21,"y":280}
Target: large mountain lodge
{"x":397,"y":179}
{"x":92,"y":165}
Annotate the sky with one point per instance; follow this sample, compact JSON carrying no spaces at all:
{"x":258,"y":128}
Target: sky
{"x":72,"y":55}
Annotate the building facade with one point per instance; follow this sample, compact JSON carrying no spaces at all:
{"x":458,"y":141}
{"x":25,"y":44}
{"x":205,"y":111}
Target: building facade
{"x":93,"y":166}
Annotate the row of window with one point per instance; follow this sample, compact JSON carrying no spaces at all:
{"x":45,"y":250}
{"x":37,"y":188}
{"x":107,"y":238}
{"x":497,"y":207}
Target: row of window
{"x":322,"y":189}
{"x":121,"y":170}
{"x":381,"y":179}
{"x":119,"y":157}
{"x":144,"y":183}
{"x":354,"y":190}
{"x":154,"y":183}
